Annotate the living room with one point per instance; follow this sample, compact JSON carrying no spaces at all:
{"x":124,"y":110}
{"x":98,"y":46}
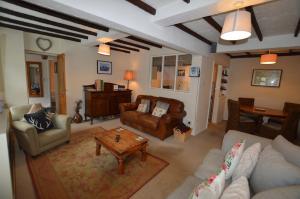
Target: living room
{"x":171,"y":53}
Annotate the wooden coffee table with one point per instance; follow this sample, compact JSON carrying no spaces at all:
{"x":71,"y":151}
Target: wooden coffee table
{"x":129,"y":143}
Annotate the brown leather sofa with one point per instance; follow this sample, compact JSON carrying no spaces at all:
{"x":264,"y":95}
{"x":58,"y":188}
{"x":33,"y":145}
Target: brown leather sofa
{"x":161,"y":127}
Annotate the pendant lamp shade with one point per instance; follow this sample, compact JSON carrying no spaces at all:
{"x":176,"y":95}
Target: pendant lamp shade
{"x":237,"y":26}
{"x":268,"y":59}
{"x":104,"y":49}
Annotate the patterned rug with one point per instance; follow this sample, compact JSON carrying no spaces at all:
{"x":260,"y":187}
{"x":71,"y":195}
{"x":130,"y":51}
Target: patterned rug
{"x":73,"y":171}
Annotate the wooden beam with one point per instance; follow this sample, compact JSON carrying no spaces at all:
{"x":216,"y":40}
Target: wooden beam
{"x":131,"y":44}
{"x":120,"y":50}
{"x":229,"y":55}
{"x":254,"y":23}
{"x":144,"y":41}
{"x":257,"y":55}
{"x":124,"y":47}
{"x":213,"y":23}
{"x":46,"y":21}
{"x":38,"y":32}
{"x":191,"y":32}
{"x":248,"y":53}
{"x":297,"y":29}
{"x":57,"y":14}
{"x":187,"y":1}
{"x":144,"y":6}
{"x":30,"y":25}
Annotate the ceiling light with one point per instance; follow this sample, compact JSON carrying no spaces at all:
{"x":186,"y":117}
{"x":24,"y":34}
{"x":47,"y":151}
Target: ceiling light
{"x":268,"y":58}
{"x":104,"y":49}
{"x":237,"y":26}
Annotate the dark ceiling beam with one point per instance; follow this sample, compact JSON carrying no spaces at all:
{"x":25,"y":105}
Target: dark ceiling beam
{"x":254,"y":23}
{"x":133,"y":38}
{"x":191,"y":32}
{"x":30,"y":25}
{"x":57,"y":14}
{"x":38,"y":32}
{"x":297,"y":29}
{"x":248,"y":53}
{"x":46,"y":21}
{"x":258,"y":55}
{"x":144,"y":6}
{"x":229,"y":55}
{"x":132,"y":44}
{"x":187,"y":1}
{"x":120,"y":50}
{"x":213,"y":23}
{"x":124,"y":47}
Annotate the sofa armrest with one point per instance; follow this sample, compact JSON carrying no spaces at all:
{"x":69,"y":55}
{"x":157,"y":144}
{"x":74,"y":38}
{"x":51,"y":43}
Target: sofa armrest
{"x":169,"y":117}
{"x":62,"y":122}
{"x":233,"y":136}
{"x":127,"y":107}
{"x":288,"y":192}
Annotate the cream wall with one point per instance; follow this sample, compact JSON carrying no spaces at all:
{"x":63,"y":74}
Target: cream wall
{"x":240,"y":82}
{"x":2,"y":40}
{"x":13,"y":67}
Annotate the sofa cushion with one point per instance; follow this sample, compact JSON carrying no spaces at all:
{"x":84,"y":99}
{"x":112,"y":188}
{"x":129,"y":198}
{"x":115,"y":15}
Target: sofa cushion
{"x":147,"y":102}
{"x":247,"y":162}
{"x":288,"y":192}
{"x":39,"y":120}
{"x":149,"y":121}
{"x":238,"y":189}
{"x":50,"y":136}
{"x":290,"y":151}
{"x":186,"y":188}
{"x":211,"y":164}
{"x":272,"y":171}
{"x":132,"y":116}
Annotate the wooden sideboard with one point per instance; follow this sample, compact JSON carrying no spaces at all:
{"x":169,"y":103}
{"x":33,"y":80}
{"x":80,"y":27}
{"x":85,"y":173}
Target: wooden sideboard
{"x":104,"y":103}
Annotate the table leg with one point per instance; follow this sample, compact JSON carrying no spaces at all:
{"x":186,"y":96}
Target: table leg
{"x":144,"y":153}
{"x":121,"y":166}
{"x":98,"y":149}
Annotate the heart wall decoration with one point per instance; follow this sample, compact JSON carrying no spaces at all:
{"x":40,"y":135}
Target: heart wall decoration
{"x":43,"y":43}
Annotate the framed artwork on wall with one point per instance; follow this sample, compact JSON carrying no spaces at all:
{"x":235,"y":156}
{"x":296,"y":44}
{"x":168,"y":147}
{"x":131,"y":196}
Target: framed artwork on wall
{"x":195,"y":71}
{"x":104,"y":67}
{"x":266,"y":77}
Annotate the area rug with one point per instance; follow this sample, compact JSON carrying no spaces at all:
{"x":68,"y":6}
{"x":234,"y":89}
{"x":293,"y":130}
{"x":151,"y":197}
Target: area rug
{"x":73,"y":171}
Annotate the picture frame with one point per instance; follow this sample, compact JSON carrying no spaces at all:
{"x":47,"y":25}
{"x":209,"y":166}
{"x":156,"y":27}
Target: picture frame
{"x":195,"y":71}
{"x":104,"y":67}
{"x":266,"y":77}
{"x":180,"y":73}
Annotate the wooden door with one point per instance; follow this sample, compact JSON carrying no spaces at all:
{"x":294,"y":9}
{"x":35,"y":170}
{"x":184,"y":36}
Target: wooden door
{"x":62,"y":101}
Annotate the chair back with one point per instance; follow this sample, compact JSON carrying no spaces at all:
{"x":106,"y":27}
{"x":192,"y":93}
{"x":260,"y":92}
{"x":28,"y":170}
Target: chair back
{"x":288,"y":106}
{"x":246,"y":101}
{"x":233,"y":115}
{"x":290,"y":126}
{"x":18,"y":112}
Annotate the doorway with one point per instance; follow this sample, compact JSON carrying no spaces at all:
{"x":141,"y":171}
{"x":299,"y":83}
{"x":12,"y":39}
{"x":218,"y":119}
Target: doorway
{"x":53,"y":80}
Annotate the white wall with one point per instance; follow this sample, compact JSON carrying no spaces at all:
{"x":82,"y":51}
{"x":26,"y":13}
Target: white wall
{"x":240,"y":82}
{"x":2,"y":40}
{"x":13,"y":67}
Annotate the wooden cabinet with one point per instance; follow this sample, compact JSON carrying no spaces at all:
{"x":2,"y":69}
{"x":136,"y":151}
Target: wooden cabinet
{"x":104,"y":103}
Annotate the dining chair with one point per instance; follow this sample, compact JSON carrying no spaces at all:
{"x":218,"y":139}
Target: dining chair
{"x":288,"y":129}
{"x":288,"y":106}
{"x":236,"y":122}
{"x":246,"y":101}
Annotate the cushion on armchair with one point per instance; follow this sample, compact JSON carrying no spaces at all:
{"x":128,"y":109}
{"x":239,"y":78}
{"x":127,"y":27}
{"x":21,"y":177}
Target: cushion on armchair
{"x":288,"y":192}
{"x":39,"y":120}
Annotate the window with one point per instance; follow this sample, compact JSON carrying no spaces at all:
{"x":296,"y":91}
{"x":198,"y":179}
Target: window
{"x":171,"y":72}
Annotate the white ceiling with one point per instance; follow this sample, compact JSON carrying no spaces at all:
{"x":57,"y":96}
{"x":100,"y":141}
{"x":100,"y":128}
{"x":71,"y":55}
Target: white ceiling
{"x":274,"y":18}
{"x":158,"y":3}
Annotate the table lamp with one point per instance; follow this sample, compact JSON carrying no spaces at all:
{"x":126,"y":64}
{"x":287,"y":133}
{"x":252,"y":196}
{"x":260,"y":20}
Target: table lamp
{"x":128,"y":75}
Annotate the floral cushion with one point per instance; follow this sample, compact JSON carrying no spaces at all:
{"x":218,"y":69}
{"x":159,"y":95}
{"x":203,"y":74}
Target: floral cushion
{"x":211,"y":188}
{"x":142,"y":108}
{"x":232,"y":158}
{"x":247,"y":162}
{"x":158,"y":112}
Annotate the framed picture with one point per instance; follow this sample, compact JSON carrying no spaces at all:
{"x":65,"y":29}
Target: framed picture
{"x":194,"y":71}
{"x":266,"y":77}
{"x":104,"y":67}
{"x":180,"y":72}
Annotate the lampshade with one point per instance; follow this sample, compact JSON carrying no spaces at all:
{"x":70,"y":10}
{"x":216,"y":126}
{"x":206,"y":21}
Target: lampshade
{"x":104,"y":49}
{"x":237,"y":26}
{"x":128,"y":75}
{"x":268,"y":59}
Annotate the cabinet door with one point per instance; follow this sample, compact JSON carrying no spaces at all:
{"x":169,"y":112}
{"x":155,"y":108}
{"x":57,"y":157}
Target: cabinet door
{"x":114,"y":105}
{"x":101,"y":106}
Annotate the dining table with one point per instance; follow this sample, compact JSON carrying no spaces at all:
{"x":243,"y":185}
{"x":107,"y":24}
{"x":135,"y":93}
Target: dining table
{"x":263,"y":111}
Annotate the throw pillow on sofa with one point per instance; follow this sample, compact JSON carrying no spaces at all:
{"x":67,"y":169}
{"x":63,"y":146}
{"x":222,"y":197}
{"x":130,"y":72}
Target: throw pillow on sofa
{"x":142,"y":108}
{"x":272,"y":171}
{"x":147,"y":102}
{"x":39,"y":120}
{"x":290,"y":151}
{"x":238,"y":189}
{"x":247,"y":162}
{"x":160,"y":109}
{"x":211,"y":188}
{"x":232,"y":158}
